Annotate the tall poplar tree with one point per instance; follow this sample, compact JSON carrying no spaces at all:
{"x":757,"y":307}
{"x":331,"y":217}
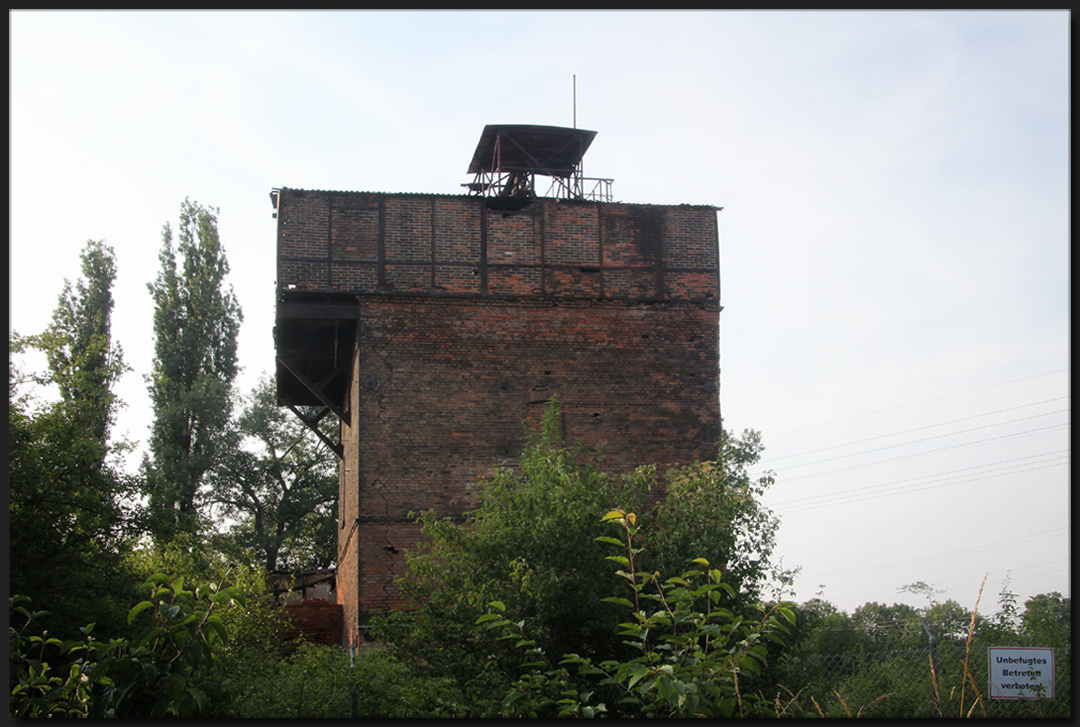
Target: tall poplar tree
{"x":67,"y":502}
{"x":196,"y":322}
{"x":84,"y":361}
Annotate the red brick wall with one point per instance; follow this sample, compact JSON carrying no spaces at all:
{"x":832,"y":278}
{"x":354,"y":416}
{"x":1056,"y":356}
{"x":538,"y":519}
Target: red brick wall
{"x":361,"y":243}
{"x":469,"y":318}
{"x":317,"y":620}
{"x":348,"y":560}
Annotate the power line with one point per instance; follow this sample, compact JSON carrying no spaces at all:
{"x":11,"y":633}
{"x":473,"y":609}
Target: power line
{"x":798,"y":501}
{"x":916,"y":403}
{"x":967,"y":582}
{"x":929,"y":426}
{"x":1056,"y":533}
{"x":928,"y":486}
{"x":926,"y":439}
{"x":976,"y":443}
{"x":1013,"y":467}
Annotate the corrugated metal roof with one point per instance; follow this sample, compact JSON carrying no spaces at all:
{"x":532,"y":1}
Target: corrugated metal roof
{"x":275,"y":190}
{"x":551,"y":150}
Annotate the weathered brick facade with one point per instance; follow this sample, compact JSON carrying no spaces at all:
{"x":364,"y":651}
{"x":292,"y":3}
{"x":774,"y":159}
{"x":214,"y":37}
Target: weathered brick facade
{"x":315,"y":619}
{"x":434,"y":325}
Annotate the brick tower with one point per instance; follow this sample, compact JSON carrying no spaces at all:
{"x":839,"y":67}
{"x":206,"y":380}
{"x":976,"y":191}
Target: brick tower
{"x":432,"y":325}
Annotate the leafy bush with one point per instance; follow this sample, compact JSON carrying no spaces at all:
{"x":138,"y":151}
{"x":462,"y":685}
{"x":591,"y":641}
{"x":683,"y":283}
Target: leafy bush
{"x":712,"y":510}
{"x":160,"y":672}
{"x":690,"y":650}
{"x":322,"y":681}
{"x":254,"y":623}
{"x":531,"y":546}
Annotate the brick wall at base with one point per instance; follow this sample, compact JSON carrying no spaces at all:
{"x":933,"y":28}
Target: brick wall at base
{"x":317,"y":620}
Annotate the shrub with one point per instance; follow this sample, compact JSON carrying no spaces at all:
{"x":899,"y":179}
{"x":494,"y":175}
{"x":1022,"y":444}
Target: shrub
{"x":322,"y":681}
{"x":160,"y":672}
{"x":690,"y":651}
{"x":531,"y":546}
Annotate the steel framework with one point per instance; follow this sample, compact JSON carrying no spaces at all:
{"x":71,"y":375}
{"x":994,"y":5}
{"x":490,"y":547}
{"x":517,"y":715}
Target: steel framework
{"x":509,"y":157}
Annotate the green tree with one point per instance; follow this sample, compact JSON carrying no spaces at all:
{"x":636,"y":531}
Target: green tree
{"x":67,"y":528}
{"x":1047,"y":620}
{"x":888,"y":628}
{"x":83,"y":359}
{"x":68,"y":518}
{"x":279,"y":486}
{"x":196,"y":322}
{"x":712,"y":510}
{"x":823,"y":638}
{"x":531,"y":545}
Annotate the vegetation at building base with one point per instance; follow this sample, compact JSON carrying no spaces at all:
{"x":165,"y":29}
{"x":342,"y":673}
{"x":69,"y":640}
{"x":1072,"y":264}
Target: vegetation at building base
{"x":532,"y":547}
{"x":689,"y":651}
{"x":565,"y":594}
{"x":204,"y":654}
{"x":568,"y":648}
{"x":679,"y":645}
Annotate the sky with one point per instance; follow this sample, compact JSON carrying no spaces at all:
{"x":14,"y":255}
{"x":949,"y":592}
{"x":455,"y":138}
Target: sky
{"x":894,"y":236}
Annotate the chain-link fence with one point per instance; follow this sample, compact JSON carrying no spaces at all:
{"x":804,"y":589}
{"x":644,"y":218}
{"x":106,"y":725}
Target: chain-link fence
{"x":901,"y":684}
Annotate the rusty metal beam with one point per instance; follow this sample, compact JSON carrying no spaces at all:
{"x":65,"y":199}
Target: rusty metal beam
{"x":316,"y":389}
{"x":313,"y":425}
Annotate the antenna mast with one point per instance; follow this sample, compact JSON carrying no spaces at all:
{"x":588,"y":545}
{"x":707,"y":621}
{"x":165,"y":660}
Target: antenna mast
{"x":575,"y":100}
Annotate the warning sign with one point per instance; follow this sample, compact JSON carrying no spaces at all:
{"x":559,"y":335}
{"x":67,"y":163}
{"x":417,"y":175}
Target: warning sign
{"x":1021,"y":673}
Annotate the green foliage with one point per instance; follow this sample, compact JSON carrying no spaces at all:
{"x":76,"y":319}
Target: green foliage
{"x":159,"y":672}
{"x":196,"y":322}
{"x":68,"y":525}
{"x":280,"y":486}
{"x":68,"y":514}
{"x":36,"y":689}
{"x":690,"y":651}
{"x":875,"y":662}
{"x":322,"y":681}
{"x":531,"y":545}
{"x":1047,"y":620}
{"x":255,"y":624}
{"x":253,"y":621}
{"x":83,"y":360}
{"x":712,"y":510}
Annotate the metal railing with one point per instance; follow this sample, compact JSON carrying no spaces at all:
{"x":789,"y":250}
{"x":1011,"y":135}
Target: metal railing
{"x":506,"y":184}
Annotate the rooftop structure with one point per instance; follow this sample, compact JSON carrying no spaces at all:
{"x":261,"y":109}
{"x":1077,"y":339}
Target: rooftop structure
{"x":509,"y":157}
